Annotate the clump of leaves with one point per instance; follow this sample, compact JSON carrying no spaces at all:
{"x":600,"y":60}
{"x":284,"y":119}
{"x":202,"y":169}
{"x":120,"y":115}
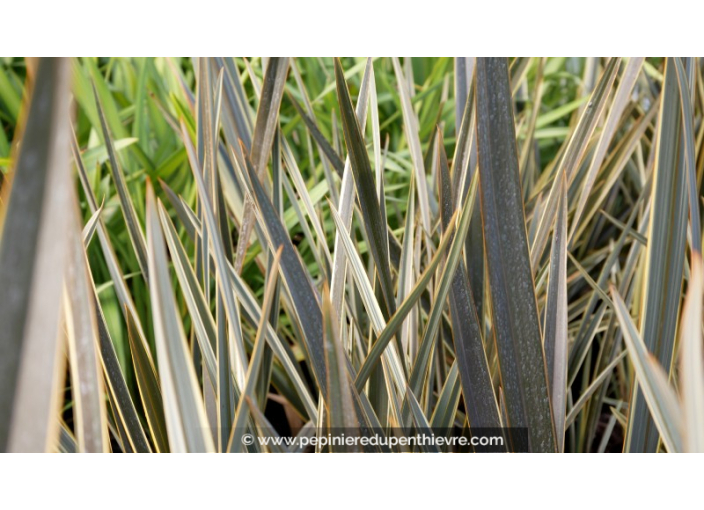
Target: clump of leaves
{"x":289,"y":246}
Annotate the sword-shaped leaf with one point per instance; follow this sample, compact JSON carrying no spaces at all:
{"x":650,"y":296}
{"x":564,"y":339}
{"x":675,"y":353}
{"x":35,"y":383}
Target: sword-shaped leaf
{"x":250,"y":382}
{"x":90,"y":418}
{"x":33,"y":254}
{"x":477,"y":389}
{"x":366,"y":190}
{"x":133,"y":228}
{"x":653,"y":381}
{"x":555,"y":337}
{"x":513,"y":302}
{"x":186,"y":423}
{"x":340,"y":406}
{"x":664,"y":263}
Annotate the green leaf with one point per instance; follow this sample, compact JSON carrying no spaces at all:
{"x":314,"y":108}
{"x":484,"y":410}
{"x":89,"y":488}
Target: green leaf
{"x":420,"y":421}
{"x":90,"y":226}
{"x":117,"y":386}
{"x":340,"y":406}
{"x":242,"y":412}
{"x":410,"y":123}
{"x":268,"y":112}
{"x":90,"y":419}
{"x":446,"y":408}
{"x":664,"y":256}
{"x":464,"y":74}
{"x":555,"y":341}
{"x":576,"y":148}
{"x":322,"y":142}
{"x":133,"y":228}
{"x":347,"y":195}
{"x":186,"y":423}
{"x":513,"y":302}
{"x":305,"y":301}
{"x":688,"y":136}
{"x":397,"y":319}
{"x":618,"y":105}
{"x":653,"y":381}
{"x":251,"y":308}
{"x":198,"y":308}
{"x":595,"y":385}
{"x":477,"y":389}
{"x":33,"y":253}
{"x":117,"y":278}
{"x":10,"y":97}
{"x":218,"y":251}
{"x":422,"y":363}
{"x":264,"y":129}
{"x":149,"y":389}
{"x":98,"y":155}
{"x":366,"y":190}
{"x":369,"y":300}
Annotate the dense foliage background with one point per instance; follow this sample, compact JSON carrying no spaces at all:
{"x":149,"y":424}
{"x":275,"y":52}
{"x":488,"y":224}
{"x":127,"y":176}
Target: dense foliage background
{"x":278,"y":246}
